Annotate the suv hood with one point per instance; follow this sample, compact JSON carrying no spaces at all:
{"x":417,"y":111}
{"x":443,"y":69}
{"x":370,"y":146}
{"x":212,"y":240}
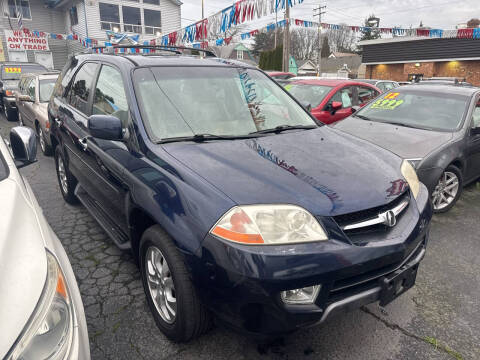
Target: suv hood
{"x":408,"y":143}
{"x":23,"y":264}
{"x":323,"y":170}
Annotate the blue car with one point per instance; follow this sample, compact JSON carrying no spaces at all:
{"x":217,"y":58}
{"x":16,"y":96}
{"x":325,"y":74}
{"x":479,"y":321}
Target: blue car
{"x":237,"y":205}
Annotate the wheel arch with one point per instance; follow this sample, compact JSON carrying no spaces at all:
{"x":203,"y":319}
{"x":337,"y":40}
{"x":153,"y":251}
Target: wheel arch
{"x":138,"y":221}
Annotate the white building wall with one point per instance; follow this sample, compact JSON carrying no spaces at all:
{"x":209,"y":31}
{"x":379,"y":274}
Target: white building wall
{"x":170,"y":16}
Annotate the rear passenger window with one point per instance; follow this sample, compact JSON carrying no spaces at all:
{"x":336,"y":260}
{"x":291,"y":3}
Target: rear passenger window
{"x":365,"y":94}
{"x":345,"y":96}
{"x":110,"y":98}
{"x":79,"y":91}
{"x":31,"y":89}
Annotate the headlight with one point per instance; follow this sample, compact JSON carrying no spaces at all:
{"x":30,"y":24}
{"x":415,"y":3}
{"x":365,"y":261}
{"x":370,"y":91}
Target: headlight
{"x":414,"y":162}
{"x":269,"y":225}
{"x":8,"y":92}
{"x":410,"y":175}
{"x":48,"y":333}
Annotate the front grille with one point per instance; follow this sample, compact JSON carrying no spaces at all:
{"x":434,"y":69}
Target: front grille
{"x":364,"y":215}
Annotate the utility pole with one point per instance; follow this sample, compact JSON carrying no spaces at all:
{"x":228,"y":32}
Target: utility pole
{"x":319,"y":12}
{"x":203,"y":17}
{"x":286,"y":39}
{"x":276,"y":20}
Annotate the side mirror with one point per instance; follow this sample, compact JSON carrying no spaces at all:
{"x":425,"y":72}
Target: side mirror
{"x":336,"y":105}
{"x":23,"y":142}
{"x":106,"y":127}
{"x":306,"y":105}
{"x":25,"y":98}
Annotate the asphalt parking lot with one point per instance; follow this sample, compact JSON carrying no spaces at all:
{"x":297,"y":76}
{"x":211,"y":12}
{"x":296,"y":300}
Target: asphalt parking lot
{"x":437,"y":319}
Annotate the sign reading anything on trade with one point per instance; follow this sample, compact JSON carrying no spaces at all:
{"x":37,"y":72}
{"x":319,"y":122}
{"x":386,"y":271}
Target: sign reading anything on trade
{"x":22,"y":40}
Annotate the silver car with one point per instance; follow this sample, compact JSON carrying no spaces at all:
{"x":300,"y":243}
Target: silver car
{"x":32,"y":97}
{"x":41,"y":312}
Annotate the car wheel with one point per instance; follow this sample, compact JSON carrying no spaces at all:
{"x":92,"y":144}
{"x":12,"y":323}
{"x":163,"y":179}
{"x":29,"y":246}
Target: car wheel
{"x":66,"y":181}
{"x":171,"y":295}
{"x":448,"y":189}
{"x":46,"y":149}
{"x":10,"y":115}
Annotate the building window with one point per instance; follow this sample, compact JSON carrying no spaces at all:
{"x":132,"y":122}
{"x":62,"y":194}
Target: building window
{"x":73,"y":16}
{"x":240,"y":54}
{"x":109,"y":17}
{"x":153,"y":2}
{"x":17,"y":7}
{"x":132,"y":21}
{"x":153,"y":21}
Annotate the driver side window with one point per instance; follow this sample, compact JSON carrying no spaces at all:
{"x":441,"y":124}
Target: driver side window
{"x":345,"y":96}
{"x":476,"y":115}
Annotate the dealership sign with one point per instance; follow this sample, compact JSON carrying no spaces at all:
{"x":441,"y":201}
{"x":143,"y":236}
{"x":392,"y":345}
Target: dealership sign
{"x":25,"y":40}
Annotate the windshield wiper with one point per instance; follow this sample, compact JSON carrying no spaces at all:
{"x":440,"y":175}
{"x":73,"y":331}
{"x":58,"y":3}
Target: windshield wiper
{"x":204,"y":137}
{"x":281,"y":128}
{"x":404,"y":125}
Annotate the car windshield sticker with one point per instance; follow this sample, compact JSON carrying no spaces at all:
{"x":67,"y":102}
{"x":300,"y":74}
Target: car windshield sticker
{"x":13,"y":70}
{"x":288,"y":87}
{"x":386,"y":104}
{"x":391,"y":96}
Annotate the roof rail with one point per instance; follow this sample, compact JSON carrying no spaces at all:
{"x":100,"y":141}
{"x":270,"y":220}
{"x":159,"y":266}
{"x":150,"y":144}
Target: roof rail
{"x":175,"y":49}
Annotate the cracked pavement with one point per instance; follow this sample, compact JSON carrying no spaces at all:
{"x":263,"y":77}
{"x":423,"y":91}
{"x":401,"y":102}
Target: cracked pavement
{"x":437,"y":319}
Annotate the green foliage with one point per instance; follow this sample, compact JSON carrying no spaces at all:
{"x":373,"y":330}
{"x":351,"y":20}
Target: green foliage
{"x":271,"y":60}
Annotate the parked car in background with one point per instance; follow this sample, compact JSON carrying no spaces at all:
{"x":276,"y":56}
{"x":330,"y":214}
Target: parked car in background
{"x":444,"y":81}
{"x":383,"y":85}
{"x":403,"y":83}
{"x":233,"y":200}
{"x":32,"y":97}
{"x":281,"y":77}
{"x":435,"y":127}
{"x":41,"y":310}
{"x":332,"y":100}
{"x":9,"y":77}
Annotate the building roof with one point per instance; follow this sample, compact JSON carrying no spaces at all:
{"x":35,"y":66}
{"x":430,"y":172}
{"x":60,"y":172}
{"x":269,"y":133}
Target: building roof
{"x":342,"y":54}
{"x":300,"y":63}
{"x":331,"y":65}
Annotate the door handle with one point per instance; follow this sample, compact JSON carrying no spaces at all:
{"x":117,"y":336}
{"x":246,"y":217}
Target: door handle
{"x":83,"y":143}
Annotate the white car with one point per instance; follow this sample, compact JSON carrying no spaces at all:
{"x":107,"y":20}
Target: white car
{"x":41,"y":311}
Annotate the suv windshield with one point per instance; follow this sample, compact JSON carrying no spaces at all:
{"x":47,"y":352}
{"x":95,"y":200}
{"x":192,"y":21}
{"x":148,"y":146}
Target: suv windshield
{"x":312,"y":94}
{"x":13,"y":72}
{"x":46,"y":89}
{"x":418,"y":109}
{"x":184,"y":101}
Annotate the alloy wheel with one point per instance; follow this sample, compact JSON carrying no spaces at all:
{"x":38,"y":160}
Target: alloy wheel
{"x":446,"y":190}
{"x":62,"y":175}
{"x":160,"y":284}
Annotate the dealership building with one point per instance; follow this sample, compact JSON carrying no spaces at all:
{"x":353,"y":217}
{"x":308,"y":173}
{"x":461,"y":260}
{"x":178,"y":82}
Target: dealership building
{"x":86,"y":19}
{"x":404,"y":59}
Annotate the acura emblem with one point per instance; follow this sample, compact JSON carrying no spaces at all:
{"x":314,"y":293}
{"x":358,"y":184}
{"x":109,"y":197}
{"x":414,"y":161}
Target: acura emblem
{"x":389,"y":218}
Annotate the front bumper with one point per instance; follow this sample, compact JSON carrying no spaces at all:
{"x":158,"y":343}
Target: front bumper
{"x":242,"y":284}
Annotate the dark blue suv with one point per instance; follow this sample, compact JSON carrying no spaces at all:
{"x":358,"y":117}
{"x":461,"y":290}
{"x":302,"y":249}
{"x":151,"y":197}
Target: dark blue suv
{"x":233,"y":200}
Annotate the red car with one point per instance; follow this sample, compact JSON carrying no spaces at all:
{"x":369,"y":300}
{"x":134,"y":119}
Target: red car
{"x":332,"y":99}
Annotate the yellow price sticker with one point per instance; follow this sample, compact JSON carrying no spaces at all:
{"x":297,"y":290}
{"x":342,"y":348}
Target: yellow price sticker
{"x":386,"y":104}
{"x":13,"y":70}
{"x":288,"y":87}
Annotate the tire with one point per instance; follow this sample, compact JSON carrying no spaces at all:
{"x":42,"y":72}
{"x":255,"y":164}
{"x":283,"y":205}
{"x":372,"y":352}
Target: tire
{"x":46,"y":149}
{"x":450,"y":185}
{"x":191,"y":317}
{"x":69,"y":182}
{"x":10,"y":115}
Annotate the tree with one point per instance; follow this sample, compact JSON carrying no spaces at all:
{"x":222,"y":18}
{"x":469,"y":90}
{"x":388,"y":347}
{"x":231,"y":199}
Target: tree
{"x":342,"y":40}
{"x":304,"y":43}
{"x":370,"y":33}
{"x":264,"y":41}
{"x":325,"y":52}
{"x":271,"y":59}
{"x":473,"y":23}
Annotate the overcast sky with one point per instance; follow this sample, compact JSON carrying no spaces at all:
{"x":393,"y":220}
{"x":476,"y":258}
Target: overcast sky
{"x":443,"y":14}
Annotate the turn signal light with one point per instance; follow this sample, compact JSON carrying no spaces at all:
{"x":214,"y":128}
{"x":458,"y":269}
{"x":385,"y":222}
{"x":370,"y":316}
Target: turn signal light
{"x":9,"y":92}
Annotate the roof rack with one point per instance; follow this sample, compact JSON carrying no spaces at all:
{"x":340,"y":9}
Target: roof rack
{"x":175,"y":49}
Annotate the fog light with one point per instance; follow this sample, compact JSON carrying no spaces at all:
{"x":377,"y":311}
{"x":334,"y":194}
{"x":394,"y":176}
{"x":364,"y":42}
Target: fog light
{"x":306,"y":295}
